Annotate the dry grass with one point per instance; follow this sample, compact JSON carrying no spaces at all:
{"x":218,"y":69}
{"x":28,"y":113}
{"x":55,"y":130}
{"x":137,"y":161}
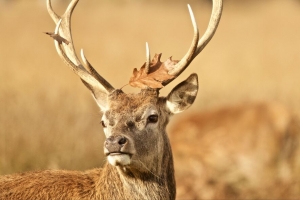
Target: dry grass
{"x":49,"y":120}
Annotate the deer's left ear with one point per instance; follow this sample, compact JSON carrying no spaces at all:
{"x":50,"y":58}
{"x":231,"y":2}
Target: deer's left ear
{"x":183,"y":95}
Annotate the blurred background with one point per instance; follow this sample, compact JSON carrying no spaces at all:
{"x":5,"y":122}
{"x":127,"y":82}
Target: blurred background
{"x":48,"y":118}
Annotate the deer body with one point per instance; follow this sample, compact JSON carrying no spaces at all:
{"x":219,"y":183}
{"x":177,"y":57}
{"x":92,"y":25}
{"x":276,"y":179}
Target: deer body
{"x":138,"y":151}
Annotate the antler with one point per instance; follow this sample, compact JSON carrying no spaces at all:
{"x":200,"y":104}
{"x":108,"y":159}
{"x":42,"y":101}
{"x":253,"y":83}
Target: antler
{"x":94,"y":81}
{"x":197,"y":44}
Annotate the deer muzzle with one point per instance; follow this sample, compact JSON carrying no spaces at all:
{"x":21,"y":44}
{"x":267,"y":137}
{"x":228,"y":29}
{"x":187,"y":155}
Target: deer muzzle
{"x":116,"y":148}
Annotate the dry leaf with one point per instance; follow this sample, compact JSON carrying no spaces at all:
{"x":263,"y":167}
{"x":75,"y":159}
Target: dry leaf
{"x":158,"y":73}
{"x":58,"y":38}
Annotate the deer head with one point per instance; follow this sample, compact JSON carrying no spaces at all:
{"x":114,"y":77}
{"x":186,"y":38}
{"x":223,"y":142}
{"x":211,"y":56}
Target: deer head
{"x":134,"y":124}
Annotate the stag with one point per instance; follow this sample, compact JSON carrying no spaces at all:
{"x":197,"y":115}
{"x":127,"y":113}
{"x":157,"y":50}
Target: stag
{"x":138,"y":151}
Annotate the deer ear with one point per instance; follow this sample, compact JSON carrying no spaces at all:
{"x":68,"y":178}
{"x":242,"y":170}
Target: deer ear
{"x":183,"y":95}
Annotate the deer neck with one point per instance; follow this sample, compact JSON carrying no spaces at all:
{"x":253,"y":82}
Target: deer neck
{"x":127,"y":183}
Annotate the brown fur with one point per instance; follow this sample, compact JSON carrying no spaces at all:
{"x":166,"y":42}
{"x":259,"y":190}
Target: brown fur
{"x":241,"y":152}
{"x":59,"y":184}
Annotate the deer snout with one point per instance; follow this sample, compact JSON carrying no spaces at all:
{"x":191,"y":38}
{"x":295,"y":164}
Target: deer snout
{"x":118,"y":150}
{"x":115,"y":144}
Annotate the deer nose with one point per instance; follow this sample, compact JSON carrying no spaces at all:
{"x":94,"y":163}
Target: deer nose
{"x":115,"y":143}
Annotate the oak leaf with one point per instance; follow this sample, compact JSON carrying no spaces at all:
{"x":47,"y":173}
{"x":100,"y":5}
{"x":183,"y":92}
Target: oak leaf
{"x":158,"y":73}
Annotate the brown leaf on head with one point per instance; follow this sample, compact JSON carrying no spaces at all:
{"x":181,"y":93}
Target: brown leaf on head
{"x":58,"y":38}
{"x":158,"y":73}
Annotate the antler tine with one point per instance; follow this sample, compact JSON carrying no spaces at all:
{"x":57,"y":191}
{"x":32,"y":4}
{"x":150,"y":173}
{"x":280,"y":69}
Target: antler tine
{"x":95,"y":74}
{"x":188,"y":57}
{"x":198,"y":45}
{"x":147,"y":64}
{"x":65,"y":30}
{"x":68,"y":53}
{"x":78,"y":69}
{"x":51,"y":12}
{"x":212,"y":26}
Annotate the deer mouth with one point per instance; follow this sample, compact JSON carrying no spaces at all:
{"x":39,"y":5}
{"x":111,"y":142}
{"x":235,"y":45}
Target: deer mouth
{"x":117,"y":153}
{"x":119,"y":158}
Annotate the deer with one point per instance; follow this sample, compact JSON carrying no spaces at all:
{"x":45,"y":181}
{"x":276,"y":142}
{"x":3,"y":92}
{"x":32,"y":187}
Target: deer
{"x":245,"y":151}
{"x":137,"y":148}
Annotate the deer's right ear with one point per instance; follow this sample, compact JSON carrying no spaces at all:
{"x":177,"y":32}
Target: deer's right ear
{"x":183,"y":95}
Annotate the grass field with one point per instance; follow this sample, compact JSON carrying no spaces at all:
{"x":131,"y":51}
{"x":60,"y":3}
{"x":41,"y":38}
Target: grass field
{"x":48,"y":118}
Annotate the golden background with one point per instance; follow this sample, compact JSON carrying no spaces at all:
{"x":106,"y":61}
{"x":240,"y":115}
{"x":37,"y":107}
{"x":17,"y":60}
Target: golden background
{"x":48,"y":119}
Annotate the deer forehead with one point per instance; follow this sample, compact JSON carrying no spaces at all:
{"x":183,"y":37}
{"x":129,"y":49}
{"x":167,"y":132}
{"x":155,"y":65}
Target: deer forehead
{"x":132,"y":105}
{"x":130,"y":114}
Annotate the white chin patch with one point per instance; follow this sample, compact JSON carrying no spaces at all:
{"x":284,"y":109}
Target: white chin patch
{"x":119,"y":159}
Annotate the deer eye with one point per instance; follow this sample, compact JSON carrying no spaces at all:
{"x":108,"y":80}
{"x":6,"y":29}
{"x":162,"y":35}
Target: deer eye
{"x":103,"y":124}
{"x":152,"y":119}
